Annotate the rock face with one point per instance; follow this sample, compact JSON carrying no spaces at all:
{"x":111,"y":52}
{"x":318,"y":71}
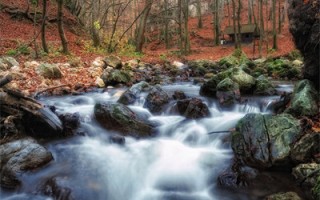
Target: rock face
{"x":265,"y":141}
{"x":304,"y":101}
{"x":228,"y":92}
{"x":118,"y":117}
{"x":156,"y":99}
{"x":131,"y":95}
{"x":305,"y":31}
{"x":18,"y":156}
{"x":193,"y":108}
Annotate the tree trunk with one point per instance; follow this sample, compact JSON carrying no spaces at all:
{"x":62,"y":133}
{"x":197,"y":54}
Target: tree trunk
{"x":186,"y":28}
{"x":249,"y":12}
{"x":43,"y":27}
{"x":166,"y":24}
{"x":239,"y":23}
{"x":216,"y":29}
{"x":200,"y":24}
{"x":236,"y":42}
{"x":274,"y":28}
{"x":279,"y":17}
{"x":261,"y":27}
{"x":180,"y":25}
{"x":142,"y":26}
{"x":64,"y":42}
{"x":228,"y":4}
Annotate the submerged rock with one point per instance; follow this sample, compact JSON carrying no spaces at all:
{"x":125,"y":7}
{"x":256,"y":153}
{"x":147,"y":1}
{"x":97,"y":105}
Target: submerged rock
{"x":209,"y":88}
{"x":54,"y":188}
{"x":265,"y":141}
{"x":118,"y":117}
{"x":304,"y":101}
{"x":19,"y":156}
{"x":179,"y":95}
{"x":156,"y":99}
{"x":193,"y":108}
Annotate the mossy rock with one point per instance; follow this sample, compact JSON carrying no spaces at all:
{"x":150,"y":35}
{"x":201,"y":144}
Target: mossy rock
{"x":209,"y":88}
{"x":236,"y":58}
{"x":118,"y":117}
{"x":316,"y":189}
{"x":246,"y":81}
{"x":304,"y":101}
{"x":51,"y":71}
{"x":264,"y":86}
{"x":115,"y":77}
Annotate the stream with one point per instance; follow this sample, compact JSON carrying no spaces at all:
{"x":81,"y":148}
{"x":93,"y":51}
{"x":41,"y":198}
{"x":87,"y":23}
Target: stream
{"x":181,"y":163}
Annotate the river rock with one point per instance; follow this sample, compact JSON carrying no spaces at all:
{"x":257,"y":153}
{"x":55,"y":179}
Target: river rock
{"x":284,"y":196}
{"x":179,"y":95}
{"x":114,"y":77}
{"x":264,"y":86}
{"x":131,"y":94}
{"x":308,"y":176}
{"x":55,"y":188}
{"x":70,"y":122}
{"x":228,"y":92}
{"x":51,"y":71}
{"x":7,"y":62}
{"x":306,"y":148}
{"x":246,"y":82}
{"x":265,"y":141}
{"x":156,"y":99}
{"x":113,"y":61}
{"x":118,"y":117}
{"x":304,"y":101}
{"x":19,"y":156}
{"x":193,"y":108}
{"x":209,"y":88}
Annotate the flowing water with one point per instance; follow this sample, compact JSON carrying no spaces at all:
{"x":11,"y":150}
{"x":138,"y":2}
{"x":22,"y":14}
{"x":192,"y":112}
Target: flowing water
{"x":182,"y":162}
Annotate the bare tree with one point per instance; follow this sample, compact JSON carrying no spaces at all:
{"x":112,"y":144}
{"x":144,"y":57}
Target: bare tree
{"x":43,"y":26}
{"x":64,"y":42}
{"x":274,"y":28}
{"x":140,"y":39}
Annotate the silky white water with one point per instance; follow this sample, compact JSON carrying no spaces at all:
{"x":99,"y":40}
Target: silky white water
{"x":182,"y":162}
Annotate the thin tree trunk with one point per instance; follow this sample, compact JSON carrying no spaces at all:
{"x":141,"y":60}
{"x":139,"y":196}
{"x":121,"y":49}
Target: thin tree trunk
{"x":261,"y":28}
{"x":234,"y":24}
{"x":249,"y":12}
{"x":216,"y":23}
{"x":186,"y":28}
{"x":180,"y":25}
{"x":142,"y":26}
{"x":274,"y":28}
{"x":166,"y":24}
{"x":229,"y":22}
{"x":239,"y":23}
{"x":64,"y":42}
{"x":200,"y":24}
{"x":279,"y":17}
{"x":34,"y":30}
{"x":43,"y":27}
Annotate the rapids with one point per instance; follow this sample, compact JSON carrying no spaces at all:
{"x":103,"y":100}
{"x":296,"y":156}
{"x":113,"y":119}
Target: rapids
{"x":182,"y":162}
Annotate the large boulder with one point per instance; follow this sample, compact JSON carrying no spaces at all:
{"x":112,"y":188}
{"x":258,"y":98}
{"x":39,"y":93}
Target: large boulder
{"x":156,"y":99}
{"x":228,"y":92}
{"x":47,"y":70}
{"x":284,"y":196}
{"x":305,"y":30}
{"x":193,"y":108}
{"x":131,"y":94}
{"x":19,"y":156}
{"x":246,"y":82}
{"x":264,"y":86}
{"x":118,"y":117}
{"x":304,"y":101}
{"x":265,"y":141}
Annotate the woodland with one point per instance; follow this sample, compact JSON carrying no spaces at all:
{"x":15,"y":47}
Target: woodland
{"x":160,"y":99}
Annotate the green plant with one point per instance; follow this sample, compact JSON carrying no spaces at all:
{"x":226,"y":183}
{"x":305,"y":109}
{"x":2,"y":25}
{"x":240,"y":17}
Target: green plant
{"x":23,"y":49}
{"x":12,"y":52}
{"x":163,"y":57}
{"x":129,"y":50}
{"x":295,"y":55}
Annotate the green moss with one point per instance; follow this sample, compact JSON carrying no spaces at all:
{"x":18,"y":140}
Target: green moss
{"x":316,"y":189}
